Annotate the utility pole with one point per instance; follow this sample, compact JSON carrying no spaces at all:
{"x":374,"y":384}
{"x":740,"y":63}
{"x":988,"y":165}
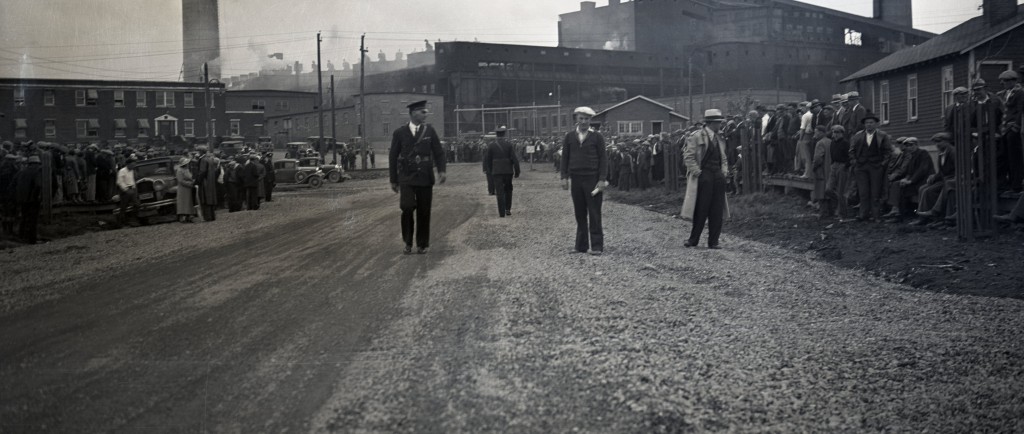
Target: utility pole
{"x":206,"y":82}
{"x":362,"y":99}
{"x":689,"y":83}
{"x":334,"y":132}
{"x":320,"y":97}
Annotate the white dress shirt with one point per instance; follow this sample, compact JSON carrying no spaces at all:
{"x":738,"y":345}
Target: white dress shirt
{"x":125,"y":178}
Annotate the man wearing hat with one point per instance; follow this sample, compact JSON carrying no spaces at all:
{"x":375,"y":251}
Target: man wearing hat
{"x":857,"y":113}
{"x":128,"y":195}
{"x":585,"y":163}
{"x":415,"y":151}
{"x":643,"y":164}
{"x":28,"y":186}
{"x":869,"y":148}
{"x":770,"y":138}
{"x":501,"y":163}
{"x":932,"y":195}
{"x":249,"y":176}
{"x":960,"y":96}
{"x":917,"y":171}
{"x":707,"y":166}
{"x":1012,"y":97}
{"x":183,"y":199}
{"x":206,"y":180}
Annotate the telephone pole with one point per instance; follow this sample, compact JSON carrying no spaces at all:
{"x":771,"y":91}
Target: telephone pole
{"x":320,"y":98}
{"x":334,"y":133}
{"x":362,"y":100}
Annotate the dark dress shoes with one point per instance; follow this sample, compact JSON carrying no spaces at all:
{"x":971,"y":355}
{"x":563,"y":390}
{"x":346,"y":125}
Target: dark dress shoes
{"x":408,"y":250}
{"x":689,"y":243}
{"x":421,"y":250}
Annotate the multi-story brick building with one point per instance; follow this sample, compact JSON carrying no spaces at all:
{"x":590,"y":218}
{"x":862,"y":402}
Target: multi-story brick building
{"x":79,"y":111}
{"x":246,"y":110}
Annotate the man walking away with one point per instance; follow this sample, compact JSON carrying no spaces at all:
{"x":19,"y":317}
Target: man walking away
{"x":501,"y":162}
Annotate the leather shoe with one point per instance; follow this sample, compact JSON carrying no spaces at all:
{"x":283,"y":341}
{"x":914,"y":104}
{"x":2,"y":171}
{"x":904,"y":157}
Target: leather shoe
{"x":596,"y":252}
{"x":508,"y":213}
{"x":408,"y":250}
{"x":421,"y":250}
{"x":714,"y":246}
{"x":689,"y":243}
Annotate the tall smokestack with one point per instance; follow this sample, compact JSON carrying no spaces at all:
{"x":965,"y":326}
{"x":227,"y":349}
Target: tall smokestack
{"x":201,"y":38}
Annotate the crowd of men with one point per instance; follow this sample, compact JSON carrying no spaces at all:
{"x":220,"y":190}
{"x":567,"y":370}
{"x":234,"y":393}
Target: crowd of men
{"x":101,"y":173}
{"x":472,"y":149}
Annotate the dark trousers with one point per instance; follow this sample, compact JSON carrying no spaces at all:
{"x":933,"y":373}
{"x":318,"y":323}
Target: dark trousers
{"x":234,"y":196}
{"x":490,"y":184}
{"x":644,"y":179}
{"x":588,"y":213}
{"x":268,"y":188}
{"x":29,"y":227}
{"x":870,"y":179}
{"x":1014,"y":159}
{"x":710,"y":207}
{"x":503,"y":188}
{"x":415,"y":203}
{"x":252,"y":198}
{"x":658,"y":170}
{"x":128,"y":198}
{"x":625,"y":179}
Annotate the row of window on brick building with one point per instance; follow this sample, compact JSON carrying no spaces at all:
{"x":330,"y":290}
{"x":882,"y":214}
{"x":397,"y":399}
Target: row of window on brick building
{"x":90,"y":128}
{"x":90,"y":98}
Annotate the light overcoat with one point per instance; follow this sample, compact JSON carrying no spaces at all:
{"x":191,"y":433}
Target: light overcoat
{"x":693,"y":153}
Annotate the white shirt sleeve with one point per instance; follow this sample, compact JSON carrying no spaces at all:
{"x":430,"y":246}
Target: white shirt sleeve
{"x":805,"y":122}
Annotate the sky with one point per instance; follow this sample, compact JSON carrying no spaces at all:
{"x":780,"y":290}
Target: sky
{"x":141,"y":39}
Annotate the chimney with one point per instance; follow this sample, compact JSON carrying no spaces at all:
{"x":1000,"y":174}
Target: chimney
{"x":587,"y":6}
{"x":997,"y":11}
{"x":898,"y":12}
{"x":613,"y":2}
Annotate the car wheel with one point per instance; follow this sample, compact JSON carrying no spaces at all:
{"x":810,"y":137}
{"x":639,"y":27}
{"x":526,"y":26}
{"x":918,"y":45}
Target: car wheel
{"x":316,"y":181}
{"x":334,"y":176}
{"x":300,"y":177}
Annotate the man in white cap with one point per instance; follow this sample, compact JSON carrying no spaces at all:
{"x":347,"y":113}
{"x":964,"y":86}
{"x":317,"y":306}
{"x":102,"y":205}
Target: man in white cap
{"x":585,"y":163}
{"x":707,"y":166}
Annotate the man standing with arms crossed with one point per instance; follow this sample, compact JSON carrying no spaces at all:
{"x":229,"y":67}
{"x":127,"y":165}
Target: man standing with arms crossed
{"x":415,"y":150}
{"x":585,"y":163}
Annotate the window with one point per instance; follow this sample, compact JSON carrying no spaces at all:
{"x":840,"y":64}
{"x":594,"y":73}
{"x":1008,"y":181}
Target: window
{"x":120,"y":128}
{"x":554,"y":122}
{"x":48,"y":97}
{"x":51,"y":128}
{"x":282,"y":105}
{"x":140,"y":98}
{"x":92,"y":96}
{"x":912,"y":97}
{"x":87,"y":127}
{"x":189,"y":126}
{"x":386,"y":128}
{"x":190,"y":100}
{"x":883,"y":101}
{"x":288,"y":122}
{"x":143,"y":127}
{"x":213,"y":128}
{"x":236,"y":127}
{"x":118,"y":98}
{"x":852,"y":37}
{"x":80,"y":98}
{"x":165,"y":99}
{"x":543,"y":122}
{"x":258,"y":104}
{"x":20,"y":128}
{"x":630,"y":127}
{"x":947,"y":87}
{"x":19,"y":97}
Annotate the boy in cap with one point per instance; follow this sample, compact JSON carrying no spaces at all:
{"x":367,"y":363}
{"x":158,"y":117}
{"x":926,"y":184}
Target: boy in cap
{"x":415,"y":151}
{"x":585,"y":162}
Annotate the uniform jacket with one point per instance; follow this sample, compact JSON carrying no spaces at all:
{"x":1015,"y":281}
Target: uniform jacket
{"x":28,"y":183}
{"x":859,"y":146}
{"x":696,"y":145}
{"x":587,"y":158}
{"x":413,"y":158}
{"x":500,"y":158}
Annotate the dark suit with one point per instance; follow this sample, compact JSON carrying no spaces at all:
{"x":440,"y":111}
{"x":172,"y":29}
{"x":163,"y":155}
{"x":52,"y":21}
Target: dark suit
{"x":501,"y":163}
{"x":206,"y":180}
{"x":855,"y":119}
{"x":866,"y":160}
{"x":249,"y":175}
{"x":585,"y":164}
{"x":917,"y":167}
{"x":412,"y":160}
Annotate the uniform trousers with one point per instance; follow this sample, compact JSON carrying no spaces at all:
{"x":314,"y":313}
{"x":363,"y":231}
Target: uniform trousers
{"x":587,"y":208}
{"x":415,"y":203}
{"x":870,"y":182}
{"x":490,"y":184}
{"x":503,"y":188}
{"x":709,"y":207}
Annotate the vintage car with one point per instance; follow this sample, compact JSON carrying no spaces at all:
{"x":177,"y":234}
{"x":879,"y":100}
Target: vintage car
{"x":288,"y":171}
{"x":231,"y":148}
{"x":297,"y":150}
{"x":265,"y":144}
{"x":156,"y":185}
{"x":333,"y":172}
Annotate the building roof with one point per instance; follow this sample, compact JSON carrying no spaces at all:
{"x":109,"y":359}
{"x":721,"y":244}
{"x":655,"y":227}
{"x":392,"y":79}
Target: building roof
{"x":102,"y":84}
{"x":270,"y":91}
{"x":956,"y":41}
{"x":866,"y":20}
{"x":642,"y":98}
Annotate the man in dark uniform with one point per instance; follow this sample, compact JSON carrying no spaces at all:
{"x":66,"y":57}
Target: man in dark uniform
{"x":415,"y":150}
{"x":206,"y":180}
{"x":585,"y":162}
{"x":501,"y":163}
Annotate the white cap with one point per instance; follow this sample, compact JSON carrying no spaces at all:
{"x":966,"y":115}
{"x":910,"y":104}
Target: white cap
{"x":584,"y":111}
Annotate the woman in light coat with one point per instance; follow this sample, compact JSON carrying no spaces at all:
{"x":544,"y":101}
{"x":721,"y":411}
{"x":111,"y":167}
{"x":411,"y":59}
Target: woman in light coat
{"x":185,"y":207}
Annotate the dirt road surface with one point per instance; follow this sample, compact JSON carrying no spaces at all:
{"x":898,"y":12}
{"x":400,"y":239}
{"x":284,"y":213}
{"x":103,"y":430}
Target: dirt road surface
{"x":306,"y":317}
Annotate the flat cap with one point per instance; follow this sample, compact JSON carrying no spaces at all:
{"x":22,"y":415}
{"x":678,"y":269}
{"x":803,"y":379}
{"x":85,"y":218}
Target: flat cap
{"x":960,"y":91}
{"x":584,"y":111}
{"x":942,"y":137}
{"x":1009,"y":75}
{"x":853,"y":95}
{"x":978,"y":83}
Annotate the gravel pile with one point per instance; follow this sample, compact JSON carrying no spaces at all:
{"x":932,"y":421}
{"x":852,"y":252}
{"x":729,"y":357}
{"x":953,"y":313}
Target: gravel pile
{"x":512,"y":333}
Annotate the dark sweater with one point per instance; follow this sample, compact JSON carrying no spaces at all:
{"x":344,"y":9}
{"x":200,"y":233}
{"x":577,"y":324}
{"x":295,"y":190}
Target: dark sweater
{"x":587,"y":158}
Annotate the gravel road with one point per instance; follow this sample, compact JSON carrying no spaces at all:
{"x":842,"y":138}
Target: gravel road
{"x":305,"y":317}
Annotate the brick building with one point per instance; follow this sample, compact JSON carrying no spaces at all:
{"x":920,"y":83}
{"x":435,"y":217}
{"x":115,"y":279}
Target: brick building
{"x":640,"y":116}
{"x":384,"y":113}
{"x":246,"y":110}
{"x":910,"y":89}
{"x":89,"y":111}
{"x":796,"y":46}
